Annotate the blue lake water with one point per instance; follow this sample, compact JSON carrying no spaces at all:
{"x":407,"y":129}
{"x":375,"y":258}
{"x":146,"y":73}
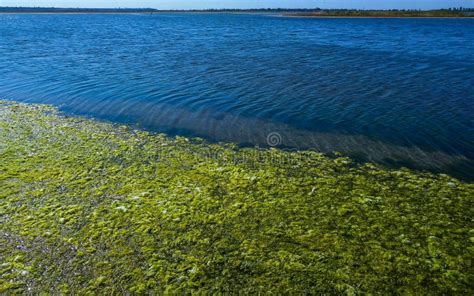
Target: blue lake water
{"x":394,"y":91}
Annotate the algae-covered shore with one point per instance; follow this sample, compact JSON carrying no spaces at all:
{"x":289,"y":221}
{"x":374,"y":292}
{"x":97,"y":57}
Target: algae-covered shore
{"x":89,"y":207}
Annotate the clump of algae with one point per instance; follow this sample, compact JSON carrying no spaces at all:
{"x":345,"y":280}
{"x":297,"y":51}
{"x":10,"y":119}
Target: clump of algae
{"x":88,"y":207}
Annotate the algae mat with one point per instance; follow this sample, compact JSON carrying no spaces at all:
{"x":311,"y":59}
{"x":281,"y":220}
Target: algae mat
{"x":87,"y":207}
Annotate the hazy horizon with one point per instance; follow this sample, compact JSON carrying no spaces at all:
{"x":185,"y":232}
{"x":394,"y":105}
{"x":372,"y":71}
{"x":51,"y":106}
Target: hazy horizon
{"x":242,"y":4}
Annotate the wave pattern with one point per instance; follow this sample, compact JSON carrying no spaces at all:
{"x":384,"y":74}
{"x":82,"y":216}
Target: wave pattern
{"x":394,"y":91}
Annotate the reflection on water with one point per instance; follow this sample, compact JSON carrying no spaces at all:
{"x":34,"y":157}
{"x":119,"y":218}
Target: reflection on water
{"x":394,"y":91}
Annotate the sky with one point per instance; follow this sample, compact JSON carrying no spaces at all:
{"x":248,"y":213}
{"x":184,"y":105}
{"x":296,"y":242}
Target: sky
{"x":202,"y":4}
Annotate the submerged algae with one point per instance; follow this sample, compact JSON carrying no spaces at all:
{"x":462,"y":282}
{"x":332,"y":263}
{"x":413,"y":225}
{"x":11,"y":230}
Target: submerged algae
{"x":89,"y":207}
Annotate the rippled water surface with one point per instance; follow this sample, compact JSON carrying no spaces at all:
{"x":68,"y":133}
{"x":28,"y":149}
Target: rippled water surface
{"x":395,"y":91}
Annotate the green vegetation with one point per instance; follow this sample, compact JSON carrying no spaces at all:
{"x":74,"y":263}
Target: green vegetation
{"x":89,"y":207}
{"x":451,"y":12}
{"x":386,"y":13}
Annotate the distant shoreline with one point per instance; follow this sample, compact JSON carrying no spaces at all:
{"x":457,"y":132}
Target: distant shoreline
{"x":256,"y":13}
{"x":306,"y":13}
{"x":247,"y":12}
{"x":443,"y":13}
{"x":378,"y":17}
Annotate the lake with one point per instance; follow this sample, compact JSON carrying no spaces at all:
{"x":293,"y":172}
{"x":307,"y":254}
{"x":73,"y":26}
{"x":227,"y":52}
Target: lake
{"x":393,"y":91}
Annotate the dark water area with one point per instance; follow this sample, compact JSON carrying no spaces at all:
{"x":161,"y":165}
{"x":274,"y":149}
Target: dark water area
{"x":394,"y":91}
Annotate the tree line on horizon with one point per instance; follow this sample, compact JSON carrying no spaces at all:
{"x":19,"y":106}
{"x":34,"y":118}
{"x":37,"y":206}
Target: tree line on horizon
{"x":153,"y":10}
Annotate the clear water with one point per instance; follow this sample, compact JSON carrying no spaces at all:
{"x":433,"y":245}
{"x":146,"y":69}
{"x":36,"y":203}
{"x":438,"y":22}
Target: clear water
{"x":395,"y":91}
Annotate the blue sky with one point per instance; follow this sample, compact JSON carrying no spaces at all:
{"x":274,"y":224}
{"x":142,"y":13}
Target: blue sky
{"x":186,"y":4}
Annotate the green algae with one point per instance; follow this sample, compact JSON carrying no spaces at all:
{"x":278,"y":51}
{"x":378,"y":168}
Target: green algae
{"x":88,"y":207}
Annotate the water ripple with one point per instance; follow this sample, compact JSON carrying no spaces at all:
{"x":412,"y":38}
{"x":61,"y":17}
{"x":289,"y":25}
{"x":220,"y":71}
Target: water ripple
{"x":394,"y":91}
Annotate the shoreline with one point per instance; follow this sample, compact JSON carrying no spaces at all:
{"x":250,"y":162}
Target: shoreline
{"x":364,"y":17}
{"x":385,"y":17}
{"x":276,"y":14}
{"x":144,"y":210}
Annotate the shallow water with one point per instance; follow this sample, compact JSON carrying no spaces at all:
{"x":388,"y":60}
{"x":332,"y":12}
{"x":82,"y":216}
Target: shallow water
{"x":394,"y":91}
